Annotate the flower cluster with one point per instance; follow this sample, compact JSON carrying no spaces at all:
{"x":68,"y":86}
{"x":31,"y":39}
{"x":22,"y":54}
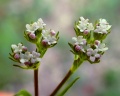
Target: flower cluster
{"x":21,"y":55}
{"x":102,"y":27}
{"x":43,"y":39}
{"x":88,"y":44}
{"x":84,"y":26}
{"x":36,"y":32}
{"x":49,"y":37}
{"x":32,"y":28}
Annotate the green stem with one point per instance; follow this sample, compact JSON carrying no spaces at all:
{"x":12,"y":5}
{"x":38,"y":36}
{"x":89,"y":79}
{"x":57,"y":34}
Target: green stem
{"x":77,"y":62}
{"x":62,"y":83}
{"x":36,"y":82}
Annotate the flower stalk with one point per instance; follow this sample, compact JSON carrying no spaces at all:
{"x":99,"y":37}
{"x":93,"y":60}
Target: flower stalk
{"x":36,"y":87}
{"x":62,"y":83}
{"x":73,"y":68}
{"x":88,"y":46}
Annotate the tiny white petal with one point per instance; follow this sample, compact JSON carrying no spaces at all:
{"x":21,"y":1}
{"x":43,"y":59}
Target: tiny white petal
{"x":92,"y":58}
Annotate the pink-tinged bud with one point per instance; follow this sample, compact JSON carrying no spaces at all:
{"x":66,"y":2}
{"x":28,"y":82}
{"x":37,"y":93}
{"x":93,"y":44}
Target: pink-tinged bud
{"x":52,"y":32}
{"x":97,"y":42}
{"x":24,"y":49}
{"x":27,"y":63}
{"x":86,"y":32}
{"x":44,"y":42}
{"x":32,"y":36}
{"x":77,"y":48}
{"x":17,"y":56}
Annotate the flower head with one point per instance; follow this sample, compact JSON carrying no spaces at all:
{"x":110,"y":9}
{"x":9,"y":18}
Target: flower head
{"x":100,"y":46}
{"x":49,"y":36}
{"x":35,"y":57}
{"x":93,"y":54}
{"x":80,"y":43}
{"x":89,"y":45}
{"x":32,"y":27}
{"x":79,"y":40}
{"x":102,"y":27}
{"x":84,"y":26}
{"x":25,"y":57}
{"x":17,"y":48}
{"x":40,"y":23}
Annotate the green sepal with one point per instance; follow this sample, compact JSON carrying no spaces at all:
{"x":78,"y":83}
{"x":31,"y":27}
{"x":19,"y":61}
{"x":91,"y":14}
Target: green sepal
{"x":52,"y":45}
{"x":68,"y":87}
{"x":77,"y":31}
{"x":95,"y":62}
{"x":38,"y":33}
{"x":11,"y":54}
{"x":34,"y":66}
{"x":23,"y":93}
{"x":72,"y":51}
{"x":71,"y":46}
{"x":57,"y":34}
{"x":99,"y":36}
{"x":13,"y":59}
{"x":29,"y":39}
{"x":23,"y":67}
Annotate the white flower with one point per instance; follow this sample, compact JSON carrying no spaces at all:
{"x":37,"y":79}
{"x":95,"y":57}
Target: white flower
{"x":48,"y":37}
{"x":17,"y":48}
{"x":82,"y":24}
{"x":100,"y":46}
{"x":25,"y":57}
{"x":40,"y":23}
{"x":103,"y":22}
{"x":35,"y":57}
{"x":103,"y":27}
{"x":90,"y":27}
{"x":32,"y":27}
{"x":93,"y":54}
{"x":83,"y":21}
{"x":79,"y":40}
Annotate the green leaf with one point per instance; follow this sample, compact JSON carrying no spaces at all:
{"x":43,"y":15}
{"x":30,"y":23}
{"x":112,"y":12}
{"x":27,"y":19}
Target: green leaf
{"x":23,"y":93}
{"x":68,"y":87}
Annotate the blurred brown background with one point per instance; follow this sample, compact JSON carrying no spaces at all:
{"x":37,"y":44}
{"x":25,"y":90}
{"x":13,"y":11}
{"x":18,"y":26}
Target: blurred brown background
{"x":101,"y":79}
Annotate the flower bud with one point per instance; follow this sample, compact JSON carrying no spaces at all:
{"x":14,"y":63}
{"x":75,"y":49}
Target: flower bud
{"x":17,"y":56}
{"x":77,"y":48}
{"x":32,"y":36}
{"x":24,"y":49}
{"x":86,"y":32}
{"x":97,"y":42}
{"x":27,"y":63}
{"x":44,"y":42}
{"x":52,"y":32}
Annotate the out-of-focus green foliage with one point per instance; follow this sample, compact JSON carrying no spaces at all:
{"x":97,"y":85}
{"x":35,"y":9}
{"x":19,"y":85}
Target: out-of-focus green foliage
{"x":13,"y":17}
{"x":14,"y":14}
{"x":111,"y":85}
{"x":23,"y":93}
